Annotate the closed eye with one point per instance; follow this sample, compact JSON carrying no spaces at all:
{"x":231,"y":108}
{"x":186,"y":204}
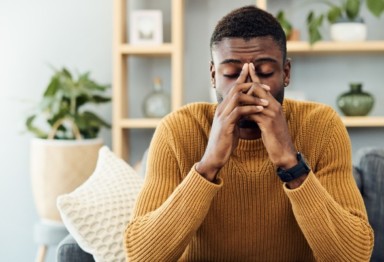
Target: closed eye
{"x":231,"y":76}
{"x":265,"y":75}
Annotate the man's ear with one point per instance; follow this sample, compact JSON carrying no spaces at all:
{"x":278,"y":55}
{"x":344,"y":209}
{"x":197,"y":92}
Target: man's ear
{"x":287,"y":72}
{"x":213,"y":74}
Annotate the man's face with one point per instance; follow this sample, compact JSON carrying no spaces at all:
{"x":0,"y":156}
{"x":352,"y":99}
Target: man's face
{"x":230,"y":54}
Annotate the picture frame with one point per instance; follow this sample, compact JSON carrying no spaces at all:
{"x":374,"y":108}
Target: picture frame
{"x":146,"y":27}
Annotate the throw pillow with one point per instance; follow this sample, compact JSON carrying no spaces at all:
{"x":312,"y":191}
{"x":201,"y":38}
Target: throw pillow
{"x":97,"y":212}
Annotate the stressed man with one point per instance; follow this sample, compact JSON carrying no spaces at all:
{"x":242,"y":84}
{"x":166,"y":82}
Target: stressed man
{"x":255,"y":177}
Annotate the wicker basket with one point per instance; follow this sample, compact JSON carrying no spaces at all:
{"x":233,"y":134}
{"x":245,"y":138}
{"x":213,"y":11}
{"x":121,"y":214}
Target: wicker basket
{"x":58,"y":167}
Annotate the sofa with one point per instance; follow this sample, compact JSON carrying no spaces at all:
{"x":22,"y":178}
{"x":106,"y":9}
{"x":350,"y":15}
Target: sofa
{"x":369,"y":175}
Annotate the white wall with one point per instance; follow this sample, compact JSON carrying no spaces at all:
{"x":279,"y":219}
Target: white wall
{"x":33,"y":36}
{"x":78,"y":34}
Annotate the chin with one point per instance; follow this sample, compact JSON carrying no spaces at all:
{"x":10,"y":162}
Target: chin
{"x":245,"y":123}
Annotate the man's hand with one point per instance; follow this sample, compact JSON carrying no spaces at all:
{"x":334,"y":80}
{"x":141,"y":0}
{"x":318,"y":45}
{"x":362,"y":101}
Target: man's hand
{"x":274,"y":128}
{"x":224,"y":134}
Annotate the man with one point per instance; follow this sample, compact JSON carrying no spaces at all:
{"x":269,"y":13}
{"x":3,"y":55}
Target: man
{"x":229,"y":182}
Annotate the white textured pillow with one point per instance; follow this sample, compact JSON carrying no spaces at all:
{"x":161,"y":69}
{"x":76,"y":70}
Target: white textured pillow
{"x":97,"y":212}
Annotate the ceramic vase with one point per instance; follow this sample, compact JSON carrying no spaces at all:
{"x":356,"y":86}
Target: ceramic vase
{"x":355,"y":102}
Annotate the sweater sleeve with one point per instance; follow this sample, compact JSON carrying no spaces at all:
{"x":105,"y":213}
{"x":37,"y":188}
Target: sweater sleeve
{"x":328,"y":206}
{"x":169,"y":209}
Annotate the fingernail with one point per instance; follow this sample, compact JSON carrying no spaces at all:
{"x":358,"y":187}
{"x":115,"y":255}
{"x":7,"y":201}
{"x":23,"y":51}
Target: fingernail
{"x":245,"y":65}
{"x":264,"y":101}
{"x":252,"y":66}
{"x":260,"y":107}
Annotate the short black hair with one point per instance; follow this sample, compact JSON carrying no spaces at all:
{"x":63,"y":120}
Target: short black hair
{"x":248,"y":22}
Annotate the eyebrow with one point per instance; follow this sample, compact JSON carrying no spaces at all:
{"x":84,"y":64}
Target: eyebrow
{"x":236,"y":61}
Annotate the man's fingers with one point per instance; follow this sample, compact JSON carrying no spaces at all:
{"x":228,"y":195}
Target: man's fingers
{"x":240,"y":99}
{"x":255,"y":78}
{"x":243,"y":74}
{"x":252,"y":73}
{"x":258,"y":90}
{"x":244,"y":111}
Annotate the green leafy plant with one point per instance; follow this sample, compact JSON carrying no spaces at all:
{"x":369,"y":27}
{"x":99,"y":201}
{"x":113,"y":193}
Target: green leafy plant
{"x":285,"y":23}
{"x":348,"y":10}
{"x":62,"y":104}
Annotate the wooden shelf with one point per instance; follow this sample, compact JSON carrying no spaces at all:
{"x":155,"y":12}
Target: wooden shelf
{"x":139,"y":122}
{"x":122,"y":92}
{"x":355,"y":121}
{"x":302,"y":47}
{"x":363,"y":121}
{"x":150,"y":50}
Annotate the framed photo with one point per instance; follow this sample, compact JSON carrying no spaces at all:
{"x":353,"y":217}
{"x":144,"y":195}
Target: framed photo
{"x":146,"y":27}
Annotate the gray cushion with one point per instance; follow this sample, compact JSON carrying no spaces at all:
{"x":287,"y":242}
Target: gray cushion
{"x":370,"y":179}
{"x":69,"y":250}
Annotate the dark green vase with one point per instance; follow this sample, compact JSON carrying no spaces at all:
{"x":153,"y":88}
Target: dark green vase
{"x":355,"y":102}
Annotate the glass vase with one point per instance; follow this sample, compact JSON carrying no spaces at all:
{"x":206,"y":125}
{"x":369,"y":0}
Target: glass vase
{"x":157,"y":103}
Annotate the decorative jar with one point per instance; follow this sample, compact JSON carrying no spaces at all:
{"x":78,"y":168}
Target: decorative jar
{"x":157,"y":103}
{"x":355,"y":102}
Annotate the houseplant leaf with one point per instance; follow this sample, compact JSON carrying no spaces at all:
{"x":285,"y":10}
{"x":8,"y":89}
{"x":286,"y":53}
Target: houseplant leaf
{"x":89,"y":84}
{"x":285,"y":24}
{"x":34,"y":130}
{"x":376,"y":7}
{"x":52,"y":87}
{"x":89,"y":124}
{"x":334,"y":14}
{"x":314,"y":24}
{"x":352,"y":9}
{"x":95,"y":99}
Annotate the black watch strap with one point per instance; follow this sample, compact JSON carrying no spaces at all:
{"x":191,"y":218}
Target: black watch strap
{"x":302,"y":168}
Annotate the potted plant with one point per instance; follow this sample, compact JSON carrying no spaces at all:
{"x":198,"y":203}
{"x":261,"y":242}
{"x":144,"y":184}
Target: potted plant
{"x":344,"y":17}
{"x":291,"y":33}
{"x":64,"y":152}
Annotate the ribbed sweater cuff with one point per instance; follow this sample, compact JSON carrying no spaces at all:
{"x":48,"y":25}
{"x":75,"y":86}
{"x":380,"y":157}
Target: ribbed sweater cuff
{"x":303,"y":198}
{"x":197,"y":181}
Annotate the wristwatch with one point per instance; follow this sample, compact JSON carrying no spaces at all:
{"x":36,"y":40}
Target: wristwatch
{"x":296,"y":171}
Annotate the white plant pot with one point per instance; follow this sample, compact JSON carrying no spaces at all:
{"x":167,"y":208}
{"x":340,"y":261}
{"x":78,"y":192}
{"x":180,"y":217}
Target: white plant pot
{"x":348,"y":31}
{"x":59,"y":167}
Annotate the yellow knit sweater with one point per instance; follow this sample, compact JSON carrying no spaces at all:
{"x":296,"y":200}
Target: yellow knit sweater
{"x":249,"y":215}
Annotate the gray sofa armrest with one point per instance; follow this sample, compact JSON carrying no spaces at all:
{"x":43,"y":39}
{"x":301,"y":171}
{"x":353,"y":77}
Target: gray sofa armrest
{"x":69,"y":251}
{"x":370,"y":180}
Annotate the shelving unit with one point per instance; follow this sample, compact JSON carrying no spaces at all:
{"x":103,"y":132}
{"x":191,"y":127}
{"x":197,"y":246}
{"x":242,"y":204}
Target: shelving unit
{"x":323,"y":48}
{"x":122,"y":123}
